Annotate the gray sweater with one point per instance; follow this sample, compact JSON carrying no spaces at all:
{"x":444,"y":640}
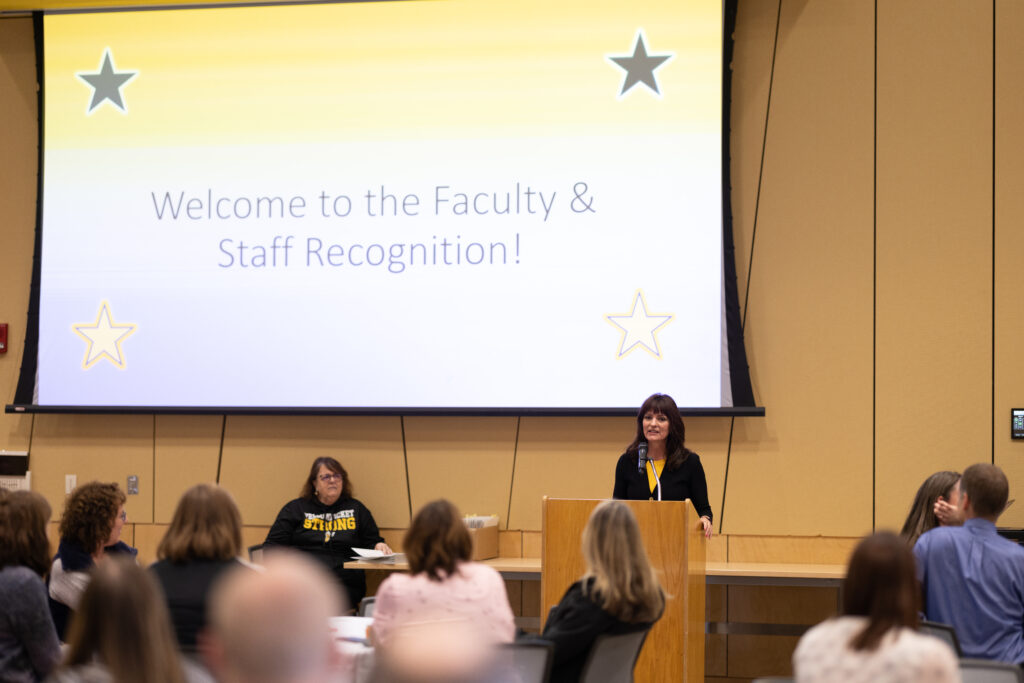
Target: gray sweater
{"x":29,"y":649}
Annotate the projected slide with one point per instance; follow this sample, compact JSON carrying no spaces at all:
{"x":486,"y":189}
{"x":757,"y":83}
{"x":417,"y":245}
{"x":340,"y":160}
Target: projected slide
{"x":422,"y":205}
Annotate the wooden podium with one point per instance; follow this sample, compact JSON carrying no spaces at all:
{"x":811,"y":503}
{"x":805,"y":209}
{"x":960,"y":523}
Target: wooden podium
{"x":675,"y":543}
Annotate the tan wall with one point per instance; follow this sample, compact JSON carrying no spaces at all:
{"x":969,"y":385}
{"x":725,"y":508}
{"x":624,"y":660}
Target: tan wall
{"x":882,"y":318}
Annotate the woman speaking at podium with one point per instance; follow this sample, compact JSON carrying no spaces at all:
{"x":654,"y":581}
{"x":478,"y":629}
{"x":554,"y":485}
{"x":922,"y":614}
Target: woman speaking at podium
{"x":657,"y":465}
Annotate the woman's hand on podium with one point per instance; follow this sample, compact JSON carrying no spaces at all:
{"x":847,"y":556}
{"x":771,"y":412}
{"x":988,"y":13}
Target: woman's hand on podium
{"x":706,"y":525}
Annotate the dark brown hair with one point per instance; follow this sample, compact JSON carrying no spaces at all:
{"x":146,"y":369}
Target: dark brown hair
{"x":309,"y":490}
{"x":675,"y":448}
{"x":89,"y":514}
{"x":23,"y":542}
{"x":122,"y":620}
{"x":206,"y":526}
{"x":881,"y":585}
{"x":437,"y":540}
{"x":922,"y":511}
{"x":986,"y":488}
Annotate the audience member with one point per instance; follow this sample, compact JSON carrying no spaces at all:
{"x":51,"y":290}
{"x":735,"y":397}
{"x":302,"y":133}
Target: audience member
{"x":203,"y":540}
{"x":89,"y":529}
{"x":972,"y":578}
{"x":442,"y":584}
{"x":874,"y":640}
{"x":440,"y":652}
{"x":936,"y":504}
{"x":121,"y":633}
{"x":29,"y":649}
{"x":327,"y":522}
{"x":273,"y":626}
{"x":619,"y":593}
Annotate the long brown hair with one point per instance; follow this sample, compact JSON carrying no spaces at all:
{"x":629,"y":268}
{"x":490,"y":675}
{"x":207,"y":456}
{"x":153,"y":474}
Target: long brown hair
{"x":122,"y":621}
{"x":206,"y":526}
{"x":619,"y":576}
{"x":675,"y":444}
{"x":881,"y":585}
{"x":437,"y":540}
{"x":922,"y":511}
{"x":89,"y":514}
{"x":309,"y":490}
{"x":23,"y":542}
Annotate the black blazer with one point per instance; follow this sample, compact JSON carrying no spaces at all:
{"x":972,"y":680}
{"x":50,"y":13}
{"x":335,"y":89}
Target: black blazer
{"x":686,"y":481}
{"x":575,"y":622}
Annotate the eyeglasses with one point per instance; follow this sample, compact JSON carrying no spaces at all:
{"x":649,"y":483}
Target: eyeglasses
{"x":330,"y":476}
{"x":123,"y":516}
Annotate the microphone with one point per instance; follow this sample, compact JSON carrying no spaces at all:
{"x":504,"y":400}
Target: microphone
{"x":641,"y":451}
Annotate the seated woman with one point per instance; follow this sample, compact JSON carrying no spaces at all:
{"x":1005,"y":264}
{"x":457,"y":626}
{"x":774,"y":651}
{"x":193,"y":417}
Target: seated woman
{"x":875,"y":638}
{"x":619,"y":593}
{"x":442,"y":585}
{"x":89,"y":529}
{"x":29,"y":648}
{"x":121,"y":632}
{"x":936,"y":503}
{"x":204,"y":539}
{"x":327,"y":522}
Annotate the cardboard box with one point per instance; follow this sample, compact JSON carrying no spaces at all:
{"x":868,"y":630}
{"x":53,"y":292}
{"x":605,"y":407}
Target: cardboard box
{"x":485,"y":542}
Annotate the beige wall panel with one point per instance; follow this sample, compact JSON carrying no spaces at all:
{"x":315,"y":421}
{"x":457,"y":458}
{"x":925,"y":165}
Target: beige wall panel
{"x":934,"y":245}
{"x":266,"y":460}
{"x":754,"y":656}
{"x":393,"y":537}
{"x":253,"y":535}
{"x":781,"y":604}
{"x":718,"y":549}
{"x":94,"y":447}
{"x":18,"y":162}
{"x":1009,"y":248}
{"x":809,"y":316}
{"x":752,"y":63}
{"x":532,"y":543}
{"x":510,"y":544}
{"x":186,"y":451}
{"x":147,"y":540}
{"x":796,"y":549}
{"x":467,"y":460}
{"x":564,"y":457}
{"x":709,"y":438}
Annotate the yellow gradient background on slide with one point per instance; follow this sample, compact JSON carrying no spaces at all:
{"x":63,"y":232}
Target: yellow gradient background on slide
{"x":388,"y":70}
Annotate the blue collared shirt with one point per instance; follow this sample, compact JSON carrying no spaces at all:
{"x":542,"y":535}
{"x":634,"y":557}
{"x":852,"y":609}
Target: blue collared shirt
{"x":973,"y":579}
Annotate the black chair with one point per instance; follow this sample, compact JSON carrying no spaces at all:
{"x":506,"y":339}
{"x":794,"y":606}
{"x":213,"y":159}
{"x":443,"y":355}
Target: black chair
{"x":985,"y":671}
{"x":943,"y":632}
{"x":366,"y":606}
{"x":256,"y":553}
{"x":613,"y":658}
{"x":526,"y":661}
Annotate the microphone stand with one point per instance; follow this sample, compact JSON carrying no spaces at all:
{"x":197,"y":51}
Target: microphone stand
{"x":657,"y":479}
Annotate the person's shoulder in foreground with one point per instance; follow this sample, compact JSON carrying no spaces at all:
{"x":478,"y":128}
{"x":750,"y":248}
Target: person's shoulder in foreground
{"x":823,"y":655}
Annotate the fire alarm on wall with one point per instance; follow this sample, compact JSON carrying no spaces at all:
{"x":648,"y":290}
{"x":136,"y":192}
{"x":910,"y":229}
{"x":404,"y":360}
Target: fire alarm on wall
{"x":3,"y":337}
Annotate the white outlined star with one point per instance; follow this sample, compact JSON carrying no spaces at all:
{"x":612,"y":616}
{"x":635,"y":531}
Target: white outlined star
{"x":104,"y":337}
{"x":638,"y":327}
{"x":106,"y":84}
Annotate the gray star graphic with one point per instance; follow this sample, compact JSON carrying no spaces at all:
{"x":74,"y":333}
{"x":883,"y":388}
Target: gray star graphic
{"x":640,"y":66}
{"x":107,"y":84}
